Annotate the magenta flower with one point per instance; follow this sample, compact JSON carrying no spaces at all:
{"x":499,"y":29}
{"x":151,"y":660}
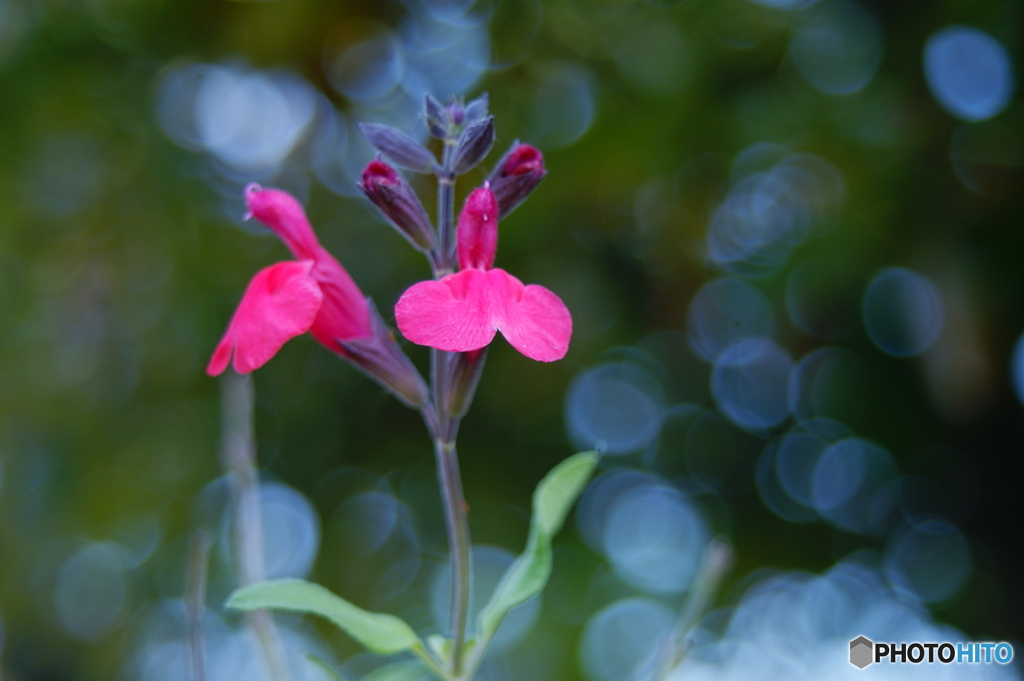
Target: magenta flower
{"x":461,"y":312}
{"x":313,"y":293}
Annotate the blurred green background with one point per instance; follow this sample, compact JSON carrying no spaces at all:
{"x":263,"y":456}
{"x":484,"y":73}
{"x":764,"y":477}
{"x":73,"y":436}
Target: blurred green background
{"x":129,"y":127}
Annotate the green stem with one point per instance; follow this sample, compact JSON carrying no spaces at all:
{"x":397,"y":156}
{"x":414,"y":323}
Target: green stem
{"x":421,"y":652}
{"x":458,"y":539}
{"x":714,"y":564}
{"x":195,"y":589}
{"x":239,"y":456}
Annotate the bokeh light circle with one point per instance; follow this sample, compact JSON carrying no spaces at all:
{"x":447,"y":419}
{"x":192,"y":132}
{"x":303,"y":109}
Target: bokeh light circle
{"x":91,"y":592}
{"x":837,"y":47}
{"x":750,"y":381}
{"x":654,"y":537}
{"x":931,"y":559}
{"x":969,"y":72}
{"x":368,"y":70}
{"x":1017,"y":368}
{"x":723,"y":312}
{"x":903,"y":312}
{"x":291,"y":531}
{"x":850,"y":489}
{"x":623,"y":638}
{"x":615,"y":407}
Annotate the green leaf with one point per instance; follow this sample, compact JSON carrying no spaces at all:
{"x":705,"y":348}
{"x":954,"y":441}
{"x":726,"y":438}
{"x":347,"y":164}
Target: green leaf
{"x":409,"y":670}
{"x":559,"y":489}
{"x":380,"y":633}
{"x":528,"y":574}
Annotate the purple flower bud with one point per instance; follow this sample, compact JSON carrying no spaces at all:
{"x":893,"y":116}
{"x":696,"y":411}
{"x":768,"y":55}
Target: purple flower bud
{"x":380,"y":358}
{"x":477,"y":109}
{"x":389,"y":191}
{"x":397,"y":146}
{"x":474,"y":144}
{"x":437,"y":120}
{"x":456,"y":111}
{"x":517,"y":174}
{"x":462,"y":376}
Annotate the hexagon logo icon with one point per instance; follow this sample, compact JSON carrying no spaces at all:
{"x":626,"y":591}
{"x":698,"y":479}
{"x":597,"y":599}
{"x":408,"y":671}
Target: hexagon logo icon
{"x":861,"y":650}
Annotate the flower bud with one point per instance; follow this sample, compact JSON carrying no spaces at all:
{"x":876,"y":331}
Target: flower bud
{"x":389,"y":191}
{"x":399,"y":147}
{"x":474,"y":144}
{"x":437,"y":121}
{"x":477,"y":109}
{"x":380,"y":358}
{"x":461,"y":380}
{"x":456,"y":111}
{"x":477,"y":233}
{"x":517,"y":174}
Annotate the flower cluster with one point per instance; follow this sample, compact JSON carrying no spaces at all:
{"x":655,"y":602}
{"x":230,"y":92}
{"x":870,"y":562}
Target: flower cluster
{"x":462,"y":312}
{"x":456,"y":312}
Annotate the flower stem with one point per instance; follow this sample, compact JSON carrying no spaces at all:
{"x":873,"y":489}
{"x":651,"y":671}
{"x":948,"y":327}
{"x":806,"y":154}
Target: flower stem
{"x":446,"y":212}
{"x":195,"y":590}
{"x":239,"y":457}
{"x":455,"y":509}
{"x":458,"y":539}
{"x":444,"y":427}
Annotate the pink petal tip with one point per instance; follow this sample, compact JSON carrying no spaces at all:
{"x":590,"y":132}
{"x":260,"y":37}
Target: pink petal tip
{"x":280,"y":303}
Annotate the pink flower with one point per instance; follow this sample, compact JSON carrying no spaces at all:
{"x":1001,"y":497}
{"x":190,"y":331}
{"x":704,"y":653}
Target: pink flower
{"x":313,"y":293}
{"x":461,"y":312}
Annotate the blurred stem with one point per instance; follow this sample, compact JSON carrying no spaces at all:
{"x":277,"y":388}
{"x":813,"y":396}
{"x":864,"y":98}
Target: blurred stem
{"x":429,"y":661}
{"x":714,"y":564}
{"x":239,"y":459}
{"x":195,"y":598}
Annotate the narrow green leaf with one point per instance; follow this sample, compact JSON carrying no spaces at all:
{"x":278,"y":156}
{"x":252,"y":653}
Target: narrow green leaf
{"x":409,"y":670}
{"x":559,"y":489}
{"x":379,"y":632}
{"x":528,"y":574}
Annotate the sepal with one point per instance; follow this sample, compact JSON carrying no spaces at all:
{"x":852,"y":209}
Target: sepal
{"x":474,"y":145}
{"x":476,"y":110}
{"x":399,"y":147}
{"x":380,"y":358}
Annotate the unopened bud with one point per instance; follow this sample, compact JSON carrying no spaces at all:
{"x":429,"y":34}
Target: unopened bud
{"x":399,"y":147}
{"x":517,"y":174}
{"x":456,"y":111}
{"x":437,"y":121}
{"x":477,"y":232}
{"x":380,"y":358}
{"x":474,"y":144}
{"x":477,"y":109}
{"x":462,"y":377}
{"x":389,"y":191}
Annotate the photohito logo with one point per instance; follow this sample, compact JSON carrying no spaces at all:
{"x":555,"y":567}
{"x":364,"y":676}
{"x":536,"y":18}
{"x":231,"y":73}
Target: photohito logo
{"x":864,"y":651}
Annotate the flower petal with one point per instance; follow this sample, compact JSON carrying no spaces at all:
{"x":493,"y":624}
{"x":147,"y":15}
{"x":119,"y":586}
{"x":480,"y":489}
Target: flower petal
{"x":344,"y":314}
{"x":280,"y":303}
{"x":462,"y":312}
{"x":452,"y":314}
{"x":533,"y":319}
{"x":477,"y":232}
{"x":285,"y":216}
